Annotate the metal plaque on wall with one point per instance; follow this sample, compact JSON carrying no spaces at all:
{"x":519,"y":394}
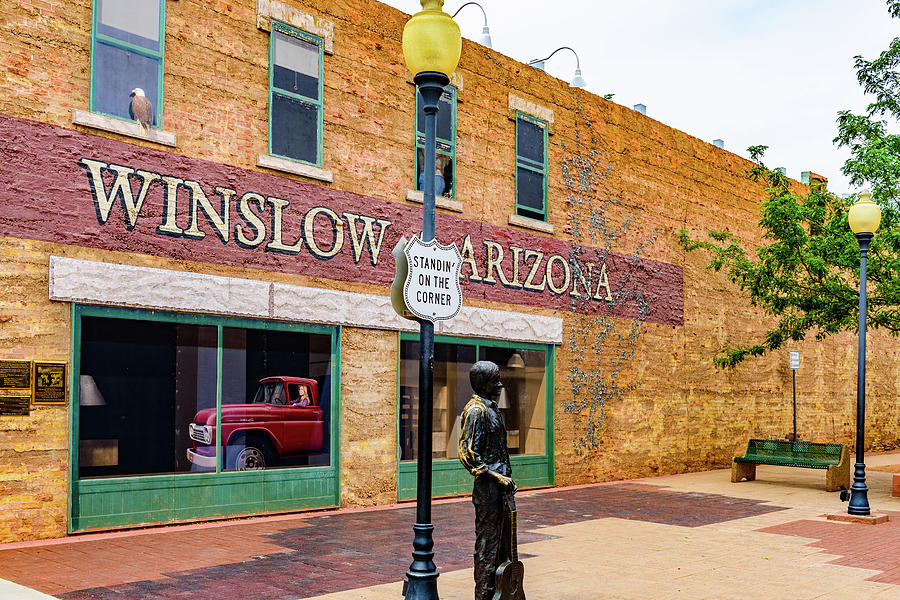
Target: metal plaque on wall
{"x":49,"y":382}
{"x":15,"y":374}
{"x":15,"y":405}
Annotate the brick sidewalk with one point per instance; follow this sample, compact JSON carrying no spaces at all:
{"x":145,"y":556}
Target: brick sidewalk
{"x":687,"y":536}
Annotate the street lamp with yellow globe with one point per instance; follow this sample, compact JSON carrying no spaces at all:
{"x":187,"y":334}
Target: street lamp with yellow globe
{"x":864,"y":218}
{"x":431,"y":49}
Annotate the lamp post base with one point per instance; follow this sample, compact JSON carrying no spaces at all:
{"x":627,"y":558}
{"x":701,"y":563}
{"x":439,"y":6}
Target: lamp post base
{"x":421,"y":578}
{"x":873,"y":519}
{"x":859,"y":493}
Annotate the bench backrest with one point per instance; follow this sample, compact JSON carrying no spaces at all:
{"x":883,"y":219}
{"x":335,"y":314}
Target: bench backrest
{"x":801,"y":451}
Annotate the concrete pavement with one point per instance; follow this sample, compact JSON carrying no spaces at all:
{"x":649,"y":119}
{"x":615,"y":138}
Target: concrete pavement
{"x":692,"y":536}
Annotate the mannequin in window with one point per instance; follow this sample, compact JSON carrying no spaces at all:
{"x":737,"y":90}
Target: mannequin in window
{"x":443,"y":174}
{"x":301,"y":398}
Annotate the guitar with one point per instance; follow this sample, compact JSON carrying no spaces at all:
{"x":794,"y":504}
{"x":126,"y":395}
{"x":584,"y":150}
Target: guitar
{"x":511,"y":573}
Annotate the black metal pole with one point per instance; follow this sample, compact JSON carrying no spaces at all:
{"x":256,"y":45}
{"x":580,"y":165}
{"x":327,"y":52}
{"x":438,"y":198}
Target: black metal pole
{"x":859,"y":493}
{"x":794,"y":371}
{"x":422,"y":574}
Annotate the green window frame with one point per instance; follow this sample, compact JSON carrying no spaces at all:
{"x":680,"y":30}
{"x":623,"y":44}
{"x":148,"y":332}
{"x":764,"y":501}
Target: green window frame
{"x":449,"y":476}
{"x":276,"y":92}
{"x":163,"y":498}
{"x":99,"y":37}
{"x":532,"y":167}
{"x":445,"y":147}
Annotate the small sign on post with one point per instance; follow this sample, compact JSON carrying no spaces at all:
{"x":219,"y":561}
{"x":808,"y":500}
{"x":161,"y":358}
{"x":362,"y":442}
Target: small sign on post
{"x":795,"y":365}
{"x":431,"y":290}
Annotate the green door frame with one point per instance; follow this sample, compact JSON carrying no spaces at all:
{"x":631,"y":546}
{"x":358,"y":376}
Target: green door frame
{"x":449,"y":478}
{"x":104,"y":503}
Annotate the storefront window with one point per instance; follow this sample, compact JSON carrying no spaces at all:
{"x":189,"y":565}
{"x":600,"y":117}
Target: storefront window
{"x":148,"y":397}
{"x":522,"y":402}
{"x":278,"y":377}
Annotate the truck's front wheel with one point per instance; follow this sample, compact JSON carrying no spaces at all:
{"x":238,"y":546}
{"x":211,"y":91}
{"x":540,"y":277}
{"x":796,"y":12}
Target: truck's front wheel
{"x":253,"y":455}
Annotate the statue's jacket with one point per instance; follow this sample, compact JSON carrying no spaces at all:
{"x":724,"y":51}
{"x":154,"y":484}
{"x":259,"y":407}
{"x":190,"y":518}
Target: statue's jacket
{"x":482,"y":442}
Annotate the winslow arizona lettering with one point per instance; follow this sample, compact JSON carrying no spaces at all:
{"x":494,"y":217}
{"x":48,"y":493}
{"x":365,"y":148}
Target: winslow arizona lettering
{"x":191,"y":210}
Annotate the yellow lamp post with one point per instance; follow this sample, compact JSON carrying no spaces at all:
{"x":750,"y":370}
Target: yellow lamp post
{"x":864,"y":217}
{"x":431,"y":49}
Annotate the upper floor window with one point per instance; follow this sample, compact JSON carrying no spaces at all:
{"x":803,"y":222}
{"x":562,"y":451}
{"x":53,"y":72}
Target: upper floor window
{"x":295,"y":98}
{"x":531,"y":167}
{"x":127,"y":59}
{"x":445,"y":151}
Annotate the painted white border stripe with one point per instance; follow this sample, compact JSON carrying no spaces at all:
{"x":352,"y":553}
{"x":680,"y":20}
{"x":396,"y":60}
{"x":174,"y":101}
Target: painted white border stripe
{"x":108,"y":284}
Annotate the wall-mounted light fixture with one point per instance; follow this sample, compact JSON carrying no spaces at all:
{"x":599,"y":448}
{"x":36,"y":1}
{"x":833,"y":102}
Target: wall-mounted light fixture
{"x":485,"y":39}
{"x":577,"y":81}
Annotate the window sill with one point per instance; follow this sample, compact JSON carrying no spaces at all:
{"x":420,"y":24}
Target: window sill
{"x":521,"y":221}
{"x":439,"y":201}
{"x":297,"y":168}
{"x":113,"y":125}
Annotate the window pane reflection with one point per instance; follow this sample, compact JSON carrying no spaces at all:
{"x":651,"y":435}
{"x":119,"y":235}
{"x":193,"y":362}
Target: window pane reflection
{"x":276,"y":391}
{"x":132,"y":21}
{"x":296,"y":67}
{"x":451,"y":392}
{"x":294,"y":128}
{"x":522,"y":401}
{"x":529,"y":192}
{"x":116,"y":73}
{"x":141,"y":384}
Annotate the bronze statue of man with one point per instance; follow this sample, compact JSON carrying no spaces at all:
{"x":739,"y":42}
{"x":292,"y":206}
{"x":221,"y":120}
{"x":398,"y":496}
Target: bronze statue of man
{"x":483,"y":451}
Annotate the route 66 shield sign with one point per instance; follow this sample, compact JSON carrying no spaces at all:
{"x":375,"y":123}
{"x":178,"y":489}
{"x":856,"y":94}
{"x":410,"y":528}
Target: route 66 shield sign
{"x":431,"y":290}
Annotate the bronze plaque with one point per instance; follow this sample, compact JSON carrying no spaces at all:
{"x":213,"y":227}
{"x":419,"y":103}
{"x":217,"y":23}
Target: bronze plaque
{"x":15,"y":405}
{"x":49,"y":383}
{"x":15,"y":374}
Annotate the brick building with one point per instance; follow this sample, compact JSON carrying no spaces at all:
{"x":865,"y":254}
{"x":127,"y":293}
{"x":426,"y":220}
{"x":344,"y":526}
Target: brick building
{"x":245,"y":230}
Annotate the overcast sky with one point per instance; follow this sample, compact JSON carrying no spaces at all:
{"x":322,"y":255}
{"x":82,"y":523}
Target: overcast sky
{"x":773,"y":72}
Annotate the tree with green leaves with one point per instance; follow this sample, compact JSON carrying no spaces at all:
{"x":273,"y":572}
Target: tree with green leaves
{"x":806,"y":272}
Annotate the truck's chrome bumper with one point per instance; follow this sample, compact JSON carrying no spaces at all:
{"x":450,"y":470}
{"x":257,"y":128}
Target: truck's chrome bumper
{"x":200,"y":460}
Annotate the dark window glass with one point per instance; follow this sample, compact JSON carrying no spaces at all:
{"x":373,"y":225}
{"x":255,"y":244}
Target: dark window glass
{"x":294,"y":128}
{"x":132,"y":21}
{"x":296,"y":66}
{"x":445,"y":119}
{"x":530,"y":142}
{"x":451,"y":392}
{"x":116,"y":73}
{"x":523,"y":399}
{"x":141,"y":385}
{"x":529,"y":190}
{"x":444,"y":129}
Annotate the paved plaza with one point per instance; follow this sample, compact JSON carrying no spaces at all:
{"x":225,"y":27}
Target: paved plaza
{"x":689,"y":536}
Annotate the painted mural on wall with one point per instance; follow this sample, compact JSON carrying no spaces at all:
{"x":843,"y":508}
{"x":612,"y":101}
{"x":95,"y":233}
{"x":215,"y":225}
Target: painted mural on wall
{"x":69,"y":187}
{"x":600,"y":345}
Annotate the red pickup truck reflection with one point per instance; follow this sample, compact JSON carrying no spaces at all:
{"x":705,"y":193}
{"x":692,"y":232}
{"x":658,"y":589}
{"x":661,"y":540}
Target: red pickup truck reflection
{"x":284,"y":420}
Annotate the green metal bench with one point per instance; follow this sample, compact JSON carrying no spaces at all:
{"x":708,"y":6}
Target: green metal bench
{"x":810,"y":455}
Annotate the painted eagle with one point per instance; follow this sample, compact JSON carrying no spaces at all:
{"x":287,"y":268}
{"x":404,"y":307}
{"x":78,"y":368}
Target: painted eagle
{"x":140,"y":109}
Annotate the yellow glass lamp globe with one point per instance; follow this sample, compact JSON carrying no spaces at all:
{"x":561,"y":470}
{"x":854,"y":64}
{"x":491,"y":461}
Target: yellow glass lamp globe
{"x":431,"y":40}
{"x":865,"y":215}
